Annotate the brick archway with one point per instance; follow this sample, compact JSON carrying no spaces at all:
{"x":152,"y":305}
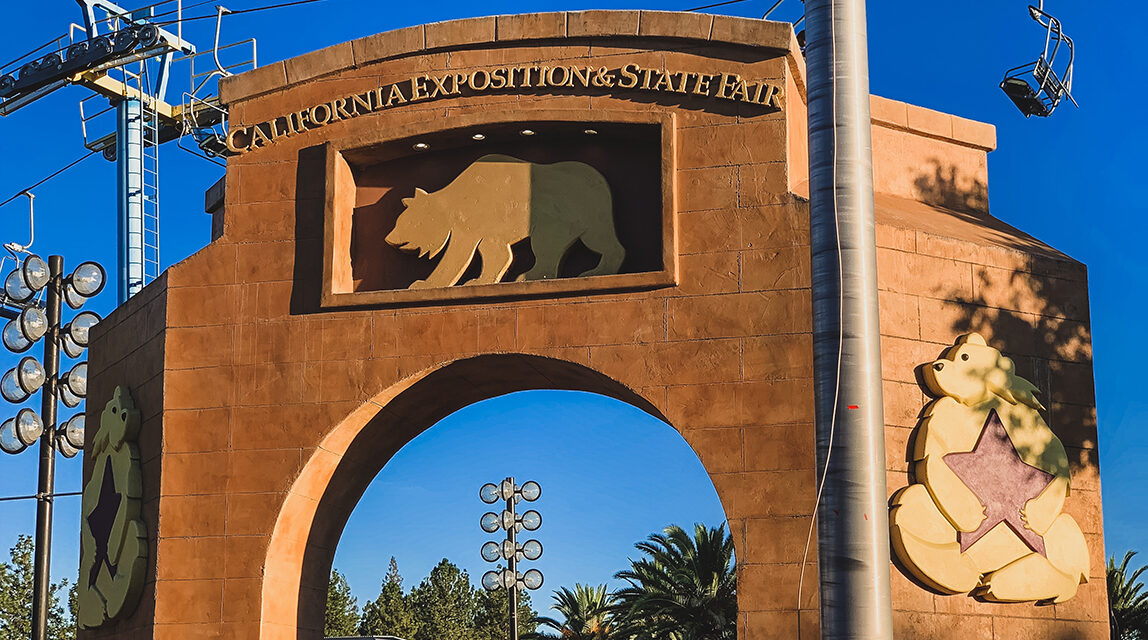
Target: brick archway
{"x":327,"y":489}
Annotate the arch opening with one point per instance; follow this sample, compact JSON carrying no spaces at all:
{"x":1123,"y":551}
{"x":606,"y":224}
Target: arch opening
{"x":355,"y":451}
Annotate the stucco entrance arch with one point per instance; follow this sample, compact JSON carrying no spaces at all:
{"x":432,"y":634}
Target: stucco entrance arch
{"x":243,"y":356}
{"x":353,"y":451}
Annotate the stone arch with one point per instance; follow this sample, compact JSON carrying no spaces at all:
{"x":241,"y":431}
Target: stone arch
{"x":328,"y":488}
